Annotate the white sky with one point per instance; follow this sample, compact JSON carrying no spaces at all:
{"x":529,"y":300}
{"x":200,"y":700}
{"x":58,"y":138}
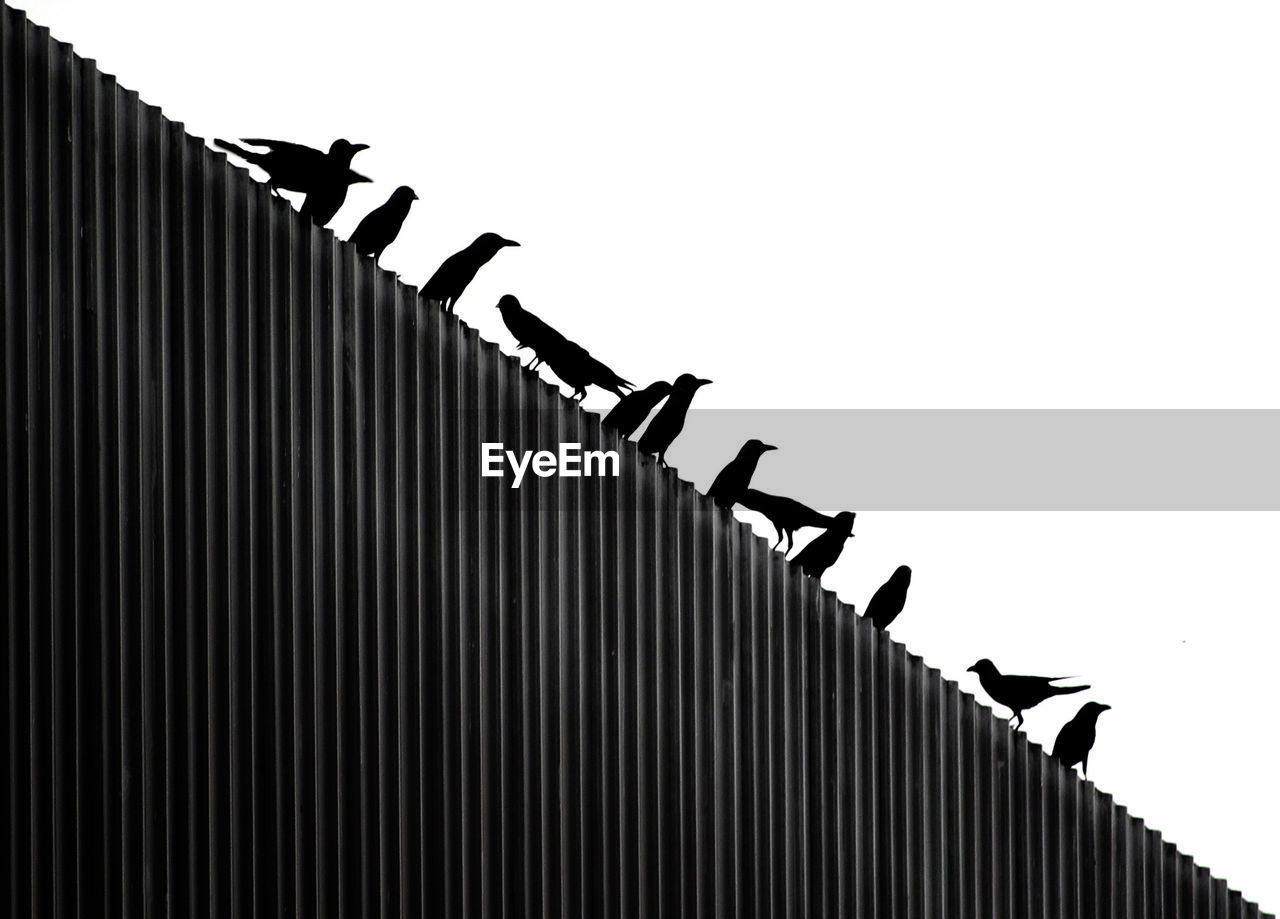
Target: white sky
{"x":984,"y":204}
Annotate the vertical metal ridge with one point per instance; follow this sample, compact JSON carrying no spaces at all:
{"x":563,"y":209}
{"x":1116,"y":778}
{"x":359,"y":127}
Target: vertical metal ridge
{"x":13,"y":451}
{"x":275,"y":646}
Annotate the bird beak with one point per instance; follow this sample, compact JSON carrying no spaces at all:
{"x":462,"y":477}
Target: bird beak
{"x":973,"y":669}
{"x":414,"y":197}
{"x":358,"y":147}
{"x":510,"y":242}
{"x":770,"y":447}
{"x":360,"y":178}
{"x":1105,"y":708}
{"x":703,"y":382}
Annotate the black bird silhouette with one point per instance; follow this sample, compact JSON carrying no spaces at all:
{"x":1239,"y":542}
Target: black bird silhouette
{"x":820,"y":554}
{"x":528,"y":330}
{"x":327,"y":194}
{"x":669,"y":422}
{"x":786,"y":514}
{"x":889,"y":599}
{"x":574,"y":364}
{"x":1018,"y":693}
{"x":735,"y":478}
{"x":1076,"y":738}
{"x":297,"y":167}
{"x":382,"y":225}
{"x":457,"y":271}
{"x":633,"y":409}
{"x":569,"y":361}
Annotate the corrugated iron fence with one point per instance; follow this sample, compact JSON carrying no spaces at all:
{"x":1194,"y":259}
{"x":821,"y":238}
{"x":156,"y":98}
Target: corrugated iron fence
{"x":273,"y":646}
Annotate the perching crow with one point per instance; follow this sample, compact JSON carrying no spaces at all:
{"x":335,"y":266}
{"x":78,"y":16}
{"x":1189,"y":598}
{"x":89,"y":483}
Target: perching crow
{"x":382,"y":224}
{"x":669,"y":422}
{"x":457,"y":271}
{"x":1076,"y":738}
{"x":735,"y":478}
{"x":819,"y":555}
{"x":327,"y":194}
{"x":569,"y":361}
{"x":786,"y":514}
{"x":574,"y":364}
{"x":889,"y":599}
{"x":297,"y":167}
{"x":1019,"y":693}
{"x":528,"y":330}
{"x":633,"y":409}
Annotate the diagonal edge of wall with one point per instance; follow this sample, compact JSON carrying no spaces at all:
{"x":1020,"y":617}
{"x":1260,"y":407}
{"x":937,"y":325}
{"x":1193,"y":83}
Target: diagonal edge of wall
{"x":43,"y":512}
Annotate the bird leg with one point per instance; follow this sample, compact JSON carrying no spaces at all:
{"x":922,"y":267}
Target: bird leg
{"x":1017,"y":716}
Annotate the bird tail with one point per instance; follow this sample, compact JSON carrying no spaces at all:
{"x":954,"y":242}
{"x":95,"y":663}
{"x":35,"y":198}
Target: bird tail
{"x":236,"y":149}
{"x":1067,"y":690}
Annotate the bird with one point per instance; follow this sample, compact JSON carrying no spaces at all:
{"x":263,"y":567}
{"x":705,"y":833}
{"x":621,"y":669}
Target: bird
{"x":381,"y":225}
{"x":1076,"y":738}
{"x":735,"y":478}
{"x":569,"y":361}
{"x":819,"y":555}
{"x":634,"y":408}
{"x":669,"y":422}
{"x":297,"y":167}
{"x":528,"y":330}
{"x":1018,"y":693}
{"x":574,"y":364}
{"x":889,"y":599}
{"x":786,"y":514}
{"x":457,"y":271}
{"x":326,"y":195}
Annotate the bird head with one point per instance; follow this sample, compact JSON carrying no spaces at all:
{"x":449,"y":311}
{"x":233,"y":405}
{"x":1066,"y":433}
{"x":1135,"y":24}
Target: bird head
{"x":343,"y":149}
{"x":404,"y":193}
{"x":757,"y":447}
{"x":843,"y":523}
{"x":983,"y":667}
{"x":902,"y":572}
{"x":508,"y":302}
{"x":492,"y":242}
{"x":687,"y":382}
{"x":1093,"y":709}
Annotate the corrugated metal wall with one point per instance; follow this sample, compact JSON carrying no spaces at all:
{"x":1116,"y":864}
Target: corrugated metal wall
{"x":274,"y":647}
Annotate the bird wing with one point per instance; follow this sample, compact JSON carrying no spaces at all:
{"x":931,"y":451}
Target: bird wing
{"x":603,"y":376}
{"x":434,"y":289}
{"x":1063,"y":741}
{"x":539,"y":333}
{"x":721,"y":481}
{"x":662,"y":430}
{"x":1017,"y":682}
{"x":370,"y":228}
{"x":812,"y":551}
{"x":801,"y":515}
{"x":622,"y":413}
{"x":282,"y":146}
